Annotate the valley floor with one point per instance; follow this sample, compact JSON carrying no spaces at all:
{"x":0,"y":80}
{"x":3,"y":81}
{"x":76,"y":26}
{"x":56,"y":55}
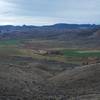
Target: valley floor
{"x":45,"y":70}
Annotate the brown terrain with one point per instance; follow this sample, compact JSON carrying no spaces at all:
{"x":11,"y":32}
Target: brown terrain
{"x":39,"y":80}
{"x":33,"y":65}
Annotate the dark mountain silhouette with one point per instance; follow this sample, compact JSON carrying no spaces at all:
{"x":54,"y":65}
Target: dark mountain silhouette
{"x":62,"y":31}
{"x":86,"y":35}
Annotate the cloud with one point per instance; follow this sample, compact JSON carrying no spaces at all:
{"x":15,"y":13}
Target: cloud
{"x":50,"y":11}
{"x":28,"y":20}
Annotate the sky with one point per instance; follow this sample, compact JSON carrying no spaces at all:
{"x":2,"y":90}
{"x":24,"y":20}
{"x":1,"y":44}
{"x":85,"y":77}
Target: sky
{"x":47,"y":12}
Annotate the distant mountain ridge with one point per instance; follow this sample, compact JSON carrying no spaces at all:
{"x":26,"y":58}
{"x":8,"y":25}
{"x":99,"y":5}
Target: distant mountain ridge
{"x":60,"y":31}
{"x":58,"y":25}
{"x":73,"y":26}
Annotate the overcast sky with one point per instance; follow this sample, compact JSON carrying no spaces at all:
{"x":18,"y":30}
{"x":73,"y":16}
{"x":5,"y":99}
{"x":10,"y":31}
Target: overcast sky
{"x":42,"y":12}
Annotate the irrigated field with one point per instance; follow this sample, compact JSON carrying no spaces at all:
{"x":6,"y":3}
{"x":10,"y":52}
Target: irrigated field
{"x":82,"y":53}
{"x":25,"y":48}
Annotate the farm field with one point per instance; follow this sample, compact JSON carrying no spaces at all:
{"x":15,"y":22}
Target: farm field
{"x":22,"y":48}
{"x":82,"y":53}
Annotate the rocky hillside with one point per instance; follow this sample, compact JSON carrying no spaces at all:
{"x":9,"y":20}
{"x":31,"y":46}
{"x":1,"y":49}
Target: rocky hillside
{"x":34,"y":81}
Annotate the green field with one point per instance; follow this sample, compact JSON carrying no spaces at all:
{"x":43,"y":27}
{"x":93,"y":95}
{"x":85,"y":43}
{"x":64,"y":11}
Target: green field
{"x":80,"y":53}
{"x":9,"y":42}
{"x":13,"y":48}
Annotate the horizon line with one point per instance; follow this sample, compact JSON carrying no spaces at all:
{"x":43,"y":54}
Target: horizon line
{"x":48,"y":24}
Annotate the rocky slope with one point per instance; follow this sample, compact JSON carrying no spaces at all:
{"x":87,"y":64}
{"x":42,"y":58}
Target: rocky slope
{"x":18,"y":82}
